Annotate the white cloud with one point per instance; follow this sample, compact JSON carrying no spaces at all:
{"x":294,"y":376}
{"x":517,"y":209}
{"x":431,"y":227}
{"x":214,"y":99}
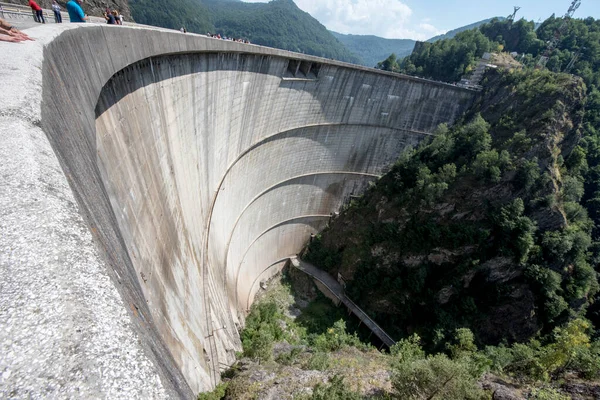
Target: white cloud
{"x":427,"y":27}
{"x":385,"y":18}
{"x":430,"y":29}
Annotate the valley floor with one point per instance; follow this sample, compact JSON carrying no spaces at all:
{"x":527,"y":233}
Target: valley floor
{"x":299,"y":345}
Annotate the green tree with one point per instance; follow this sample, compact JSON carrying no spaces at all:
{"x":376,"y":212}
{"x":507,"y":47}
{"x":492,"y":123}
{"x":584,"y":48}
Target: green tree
{"x":435,"y":378}
{"x":389,"y":64}
{"x":463,"y":344}
{"x":408,"y":350}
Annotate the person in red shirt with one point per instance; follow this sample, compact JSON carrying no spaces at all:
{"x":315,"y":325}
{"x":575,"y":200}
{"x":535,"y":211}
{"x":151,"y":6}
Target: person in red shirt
{"x":37,"y":10}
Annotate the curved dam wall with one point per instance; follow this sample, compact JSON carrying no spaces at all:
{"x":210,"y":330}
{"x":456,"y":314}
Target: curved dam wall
{"x":200,"y":165}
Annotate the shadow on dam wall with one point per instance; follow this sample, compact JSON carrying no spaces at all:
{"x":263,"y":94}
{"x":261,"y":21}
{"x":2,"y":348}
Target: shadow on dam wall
{"x":200,"y":165}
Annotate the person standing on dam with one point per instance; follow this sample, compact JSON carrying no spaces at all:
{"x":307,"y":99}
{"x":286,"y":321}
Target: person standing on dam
{"x":110,"y":18}
{"x":39,"y":14}
{"x":56,"y":10}
{"x":75,"y":11}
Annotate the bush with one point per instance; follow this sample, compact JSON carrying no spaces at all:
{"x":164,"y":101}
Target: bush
{"x":321,"y":255}
{"x":489,"y":165}
{"x":217,"y":394}
{"x":547,"y":394}
{"x":261,"y":332}
{"x":572,"y":189}
{"x":586,"y":362}
{"x":290,"y":357}
{"x":334,"y":390}
{"x":525,"y":364}
{"x":261,"y":346}
{"x":528,"y":173}
{"x":436,"y":377}
{"x":336,"y":338}
{"x":408,"y":350}
{"x":463,"y":344}
{"x":319,"y":361}
{"x":499,"y":357}
{"x":514,"y":230}
{"x":568,"y":341}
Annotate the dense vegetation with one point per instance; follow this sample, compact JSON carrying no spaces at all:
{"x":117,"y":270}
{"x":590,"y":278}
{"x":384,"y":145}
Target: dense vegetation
{"x":172,"y":14}
{"x":445,"y":60}
{"x":279,"y":23}
{"x":371,"y":49}
{"x":330,"y":353}
{"x":493,"y":224}
{"x":460,"y":54}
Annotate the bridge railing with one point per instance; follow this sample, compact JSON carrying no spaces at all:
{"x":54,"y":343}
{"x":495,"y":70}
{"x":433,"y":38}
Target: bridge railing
{"x":19,"y":12}
{"x":341,"y":295}
{"x":380,"y":329}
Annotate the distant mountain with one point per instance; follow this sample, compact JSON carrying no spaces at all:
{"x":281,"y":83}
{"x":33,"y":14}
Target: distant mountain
{"x":279,"y":23}
{"x":373,"y":49}
{"x":453,"y":32}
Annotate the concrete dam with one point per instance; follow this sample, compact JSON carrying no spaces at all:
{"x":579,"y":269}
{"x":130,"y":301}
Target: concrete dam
{"x":195,"y":167}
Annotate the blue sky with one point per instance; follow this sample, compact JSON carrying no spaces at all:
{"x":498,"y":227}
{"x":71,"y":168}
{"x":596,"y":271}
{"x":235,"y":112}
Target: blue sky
{"x":422,"y":19}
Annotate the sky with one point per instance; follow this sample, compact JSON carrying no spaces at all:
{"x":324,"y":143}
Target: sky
{"x":422,"y":19}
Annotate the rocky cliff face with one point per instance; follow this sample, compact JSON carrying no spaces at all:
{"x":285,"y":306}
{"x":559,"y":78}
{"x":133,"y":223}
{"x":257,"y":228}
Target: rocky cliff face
{"x":467,"y":230}
{"x":91,"y":7}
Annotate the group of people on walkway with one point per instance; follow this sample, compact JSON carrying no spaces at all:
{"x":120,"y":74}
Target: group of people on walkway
{"x":74,"y":9}
{"x":218,"y":36}
{"x":76,"y":13}
{"x":113,"y":17}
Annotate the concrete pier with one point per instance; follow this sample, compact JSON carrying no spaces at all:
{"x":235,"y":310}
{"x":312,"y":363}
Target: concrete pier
{"x":198,"y":167}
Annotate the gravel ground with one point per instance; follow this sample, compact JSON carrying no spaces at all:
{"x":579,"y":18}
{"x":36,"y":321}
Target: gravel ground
{"x":64,"y":330}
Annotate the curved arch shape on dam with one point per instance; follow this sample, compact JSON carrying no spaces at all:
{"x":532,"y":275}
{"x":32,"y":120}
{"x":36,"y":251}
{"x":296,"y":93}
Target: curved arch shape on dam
{"x":275,"y":231}
{"x":321,"y":179}
{"x":186,"y":153}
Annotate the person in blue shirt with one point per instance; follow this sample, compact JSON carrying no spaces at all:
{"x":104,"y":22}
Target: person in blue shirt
{"x":76,"y":13}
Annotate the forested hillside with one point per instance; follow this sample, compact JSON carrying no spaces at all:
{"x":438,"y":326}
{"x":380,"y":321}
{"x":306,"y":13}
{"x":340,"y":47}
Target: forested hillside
{"x":480,"y":228}
{"x":279,"y":23}
{"x":371,"y":49}
{"x":172,"y":14}
{"x":493,"y":225}
{"x":445,"y":60}
{"x":454,"y":32}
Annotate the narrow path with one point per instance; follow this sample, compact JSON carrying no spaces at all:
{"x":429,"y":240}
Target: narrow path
{"x":338,"y":291}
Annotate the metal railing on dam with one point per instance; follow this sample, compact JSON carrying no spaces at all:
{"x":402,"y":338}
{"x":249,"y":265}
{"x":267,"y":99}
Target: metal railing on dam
{"x":198,"y":166}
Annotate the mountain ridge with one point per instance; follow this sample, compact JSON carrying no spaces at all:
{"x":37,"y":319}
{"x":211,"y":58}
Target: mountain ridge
{"x":451,"y":33}
{"x":373,"y":49}
{"x":278,"y":23}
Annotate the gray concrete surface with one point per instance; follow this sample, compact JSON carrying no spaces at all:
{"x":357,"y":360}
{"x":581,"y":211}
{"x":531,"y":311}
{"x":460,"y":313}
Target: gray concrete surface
{"x":64,"y":329}
{"x":198,"y":167}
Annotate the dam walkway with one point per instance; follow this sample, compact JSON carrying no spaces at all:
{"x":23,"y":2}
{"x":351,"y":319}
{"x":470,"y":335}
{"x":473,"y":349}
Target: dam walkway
{"x":338,"y":291}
